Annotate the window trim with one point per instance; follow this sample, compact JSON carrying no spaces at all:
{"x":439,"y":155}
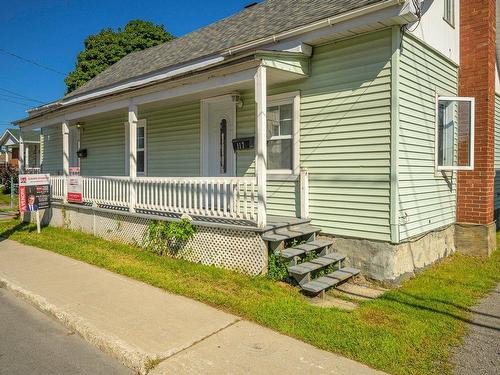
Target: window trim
{"x":142,"y":124}
{"x":451,"y":21}
{"x":283,"y":99}
{"x":442,"y":168}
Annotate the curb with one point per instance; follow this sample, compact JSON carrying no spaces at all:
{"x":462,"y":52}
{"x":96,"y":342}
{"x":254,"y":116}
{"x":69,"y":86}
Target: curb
{"x":129,"y":356}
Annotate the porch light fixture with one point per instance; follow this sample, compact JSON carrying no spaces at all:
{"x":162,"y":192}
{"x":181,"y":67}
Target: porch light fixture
{"x":79,"y":125}
{"x":237,"y":100}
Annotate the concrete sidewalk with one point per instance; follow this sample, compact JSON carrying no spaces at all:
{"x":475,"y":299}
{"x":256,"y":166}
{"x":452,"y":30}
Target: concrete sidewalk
{"x":145,"y":327}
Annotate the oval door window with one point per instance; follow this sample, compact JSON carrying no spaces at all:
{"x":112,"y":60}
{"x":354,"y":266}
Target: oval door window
{"x":223,"y":146}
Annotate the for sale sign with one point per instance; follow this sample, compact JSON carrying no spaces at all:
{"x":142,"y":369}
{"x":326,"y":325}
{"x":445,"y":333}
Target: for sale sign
{"x":75,"y":189}
{"x":34,"y":192}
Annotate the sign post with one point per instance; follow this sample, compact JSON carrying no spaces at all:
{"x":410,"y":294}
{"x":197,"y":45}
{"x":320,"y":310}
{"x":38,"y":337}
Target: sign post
{"x":34,"y":194}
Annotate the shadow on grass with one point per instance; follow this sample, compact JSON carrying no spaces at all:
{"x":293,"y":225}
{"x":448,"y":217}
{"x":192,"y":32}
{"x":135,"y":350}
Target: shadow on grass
{"x":438,"y":311}
{"x":18,"y":227}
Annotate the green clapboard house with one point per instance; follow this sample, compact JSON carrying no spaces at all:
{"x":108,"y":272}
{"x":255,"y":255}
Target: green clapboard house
{"x":337,"y":123}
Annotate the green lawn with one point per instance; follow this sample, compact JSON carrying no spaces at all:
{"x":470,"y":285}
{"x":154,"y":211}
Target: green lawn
{"x":5,"y":200}
{"x":408,"y":330}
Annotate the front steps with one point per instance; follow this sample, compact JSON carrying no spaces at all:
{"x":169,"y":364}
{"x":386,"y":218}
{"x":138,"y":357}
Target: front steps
{"x":311,"y":263}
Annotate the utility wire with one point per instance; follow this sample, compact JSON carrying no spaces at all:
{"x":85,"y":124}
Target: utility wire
{"x":31,"y":62}
{"x":18,"y":98}
{"x":20,"y":95}
{"x":13,"y":101}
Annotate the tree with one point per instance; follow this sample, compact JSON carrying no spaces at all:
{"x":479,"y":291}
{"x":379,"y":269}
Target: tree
{"x":107,"y":47}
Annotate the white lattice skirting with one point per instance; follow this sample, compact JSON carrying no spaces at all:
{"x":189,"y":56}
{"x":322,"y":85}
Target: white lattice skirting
{"x":235,"y":249}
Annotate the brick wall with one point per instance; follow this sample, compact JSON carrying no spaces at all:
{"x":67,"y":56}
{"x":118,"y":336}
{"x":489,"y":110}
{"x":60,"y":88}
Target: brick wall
{"x":477,"y":79}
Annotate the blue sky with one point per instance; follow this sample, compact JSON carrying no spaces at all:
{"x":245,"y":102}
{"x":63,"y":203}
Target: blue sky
{"x":51,"y":33}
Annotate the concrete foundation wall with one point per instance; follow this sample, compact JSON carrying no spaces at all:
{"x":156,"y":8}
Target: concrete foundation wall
{"x":239,"y":250}
{"x":394,"y":262}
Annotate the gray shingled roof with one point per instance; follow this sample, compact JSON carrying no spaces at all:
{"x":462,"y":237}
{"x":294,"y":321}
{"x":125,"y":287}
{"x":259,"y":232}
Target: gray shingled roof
{"x":261,"y":20}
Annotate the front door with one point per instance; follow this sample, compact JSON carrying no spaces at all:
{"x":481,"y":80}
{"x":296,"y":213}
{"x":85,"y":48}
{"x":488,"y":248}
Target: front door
{"x":219,"y":132}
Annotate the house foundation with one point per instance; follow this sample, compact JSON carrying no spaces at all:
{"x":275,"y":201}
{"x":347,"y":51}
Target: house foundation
{"x":475,"y":239}
{"x":395,"y":262}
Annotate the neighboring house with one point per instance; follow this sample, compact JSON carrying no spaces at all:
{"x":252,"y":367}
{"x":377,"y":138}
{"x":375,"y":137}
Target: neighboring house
{"x":347,"y":113}
{"x":9,"y":144}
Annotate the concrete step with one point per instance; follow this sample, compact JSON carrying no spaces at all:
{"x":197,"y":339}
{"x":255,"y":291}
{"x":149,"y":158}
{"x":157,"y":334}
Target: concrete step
{"x":283,"y":234}
{"x":332,"y":279}
{"x":304,"y":248}
{"x":315,"y":264}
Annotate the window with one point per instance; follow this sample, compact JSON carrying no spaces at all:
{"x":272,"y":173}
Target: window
{"x":141,"y":147}
{"x":449,"y":12}
{"x":282,"y":134}
{"x":454,"y":148}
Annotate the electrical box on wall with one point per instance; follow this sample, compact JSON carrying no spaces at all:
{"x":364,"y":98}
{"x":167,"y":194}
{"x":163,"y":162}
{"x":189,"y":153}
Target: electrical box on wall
{"x":247,"y":143}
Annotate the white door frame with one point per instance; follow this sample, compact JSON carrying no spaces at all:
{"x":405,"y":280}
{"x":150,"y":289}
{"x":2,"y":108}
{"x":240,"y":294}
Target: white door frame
{"x":204,"y":132}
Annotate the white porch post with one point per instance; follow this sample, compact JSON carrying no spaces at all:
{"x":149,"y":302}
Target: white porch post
{"x":21,"y":152}
{"x":65,"y":155}
{"x":26,"y":157}
{"x":132,"y":146}
{"x":6,"y":156}
{"x":261,"y":143}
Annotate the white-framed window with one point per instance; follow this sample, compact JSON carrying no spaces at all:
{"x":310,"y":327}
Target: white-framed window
{"x":283,"y":134}
{"x":449,"y":12}
{"x":141,"y":148}
{"x":454,"y":139}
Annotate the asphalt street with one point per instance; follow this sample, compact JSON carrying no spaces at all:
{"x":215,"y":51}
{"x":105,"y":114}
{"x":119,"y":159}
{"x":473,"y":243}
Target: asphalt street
{"x":31,"y":342}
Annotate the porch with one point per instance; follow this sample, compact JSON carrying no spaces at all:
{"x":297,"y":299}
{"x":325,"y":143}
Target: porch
{"x":200,"y":148}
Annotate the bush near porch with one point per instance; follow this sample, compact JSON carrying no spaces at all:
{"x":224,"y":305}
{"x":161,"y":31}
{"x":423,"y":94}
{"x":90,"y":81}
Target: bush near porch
{"x":409,"y":330}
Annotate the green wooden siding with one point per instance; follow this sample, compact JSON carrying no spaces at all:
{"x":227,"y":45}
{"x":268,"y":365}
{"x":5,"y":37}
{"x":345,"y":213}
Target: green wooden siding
{"x":104,"y":140}
{"x":427,"y":200}
{"x":173,"y":140}
{"x":497,"y":151}
{"x":345,"y":138}
{"x":52,"y":150}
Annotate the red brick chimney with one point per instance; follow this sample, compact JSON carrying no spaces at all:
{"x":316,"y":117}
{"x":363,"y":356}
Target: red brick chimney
{"x":475,"y":230}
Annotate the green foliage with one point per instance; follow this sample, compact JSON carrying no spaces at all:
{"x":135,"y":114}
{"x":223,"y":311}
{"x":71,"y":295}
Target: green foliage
{"x":7,"y":175}
{"x":164,"y":237}
{"x":277,"y":268}
{"x":108,"y":46}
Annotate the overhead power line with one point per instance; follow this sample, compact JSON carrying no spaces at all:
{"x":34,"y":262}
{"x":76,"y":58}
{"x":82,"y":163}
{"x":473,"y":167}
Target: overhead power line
{"x":21,"y":95}
{"x":13,"y":101}
{"x":31,"y":61}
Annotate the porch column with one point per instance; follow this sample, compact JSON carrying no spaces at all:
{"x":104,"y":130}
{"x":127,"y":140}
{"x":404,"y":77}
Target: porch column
{"x":65,"y":155}
{"x":132,"y":147}
{"x":261,"y":143}
{"x":20,"y":157}
{"x":26,"y":157}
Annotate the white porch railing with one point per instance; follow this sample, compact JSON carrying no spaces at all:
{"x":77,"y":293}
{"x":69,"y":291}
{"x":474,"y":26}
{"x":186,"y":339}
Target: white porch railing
{"x":226,"y":197}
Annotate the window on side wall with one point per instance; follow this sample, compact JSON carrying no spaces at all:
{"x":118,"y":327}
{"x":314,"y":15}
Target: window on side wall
{"x":449,"y":12}
{"x":283,"y":114}
{"x":454,"y":144}
{"x":141,"y":148}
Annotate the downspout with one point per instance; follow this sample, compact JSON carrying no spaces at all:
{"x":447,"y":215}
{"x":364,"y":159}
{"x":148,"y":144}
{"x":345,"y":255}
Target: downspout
{"x":313,"y":26}
{"x":394,"y":173}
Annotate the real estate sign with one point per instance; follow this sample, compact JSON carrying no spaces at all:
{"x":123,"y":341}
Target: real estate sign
{"x":75,"y":189}
{"x":34,"y":192}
